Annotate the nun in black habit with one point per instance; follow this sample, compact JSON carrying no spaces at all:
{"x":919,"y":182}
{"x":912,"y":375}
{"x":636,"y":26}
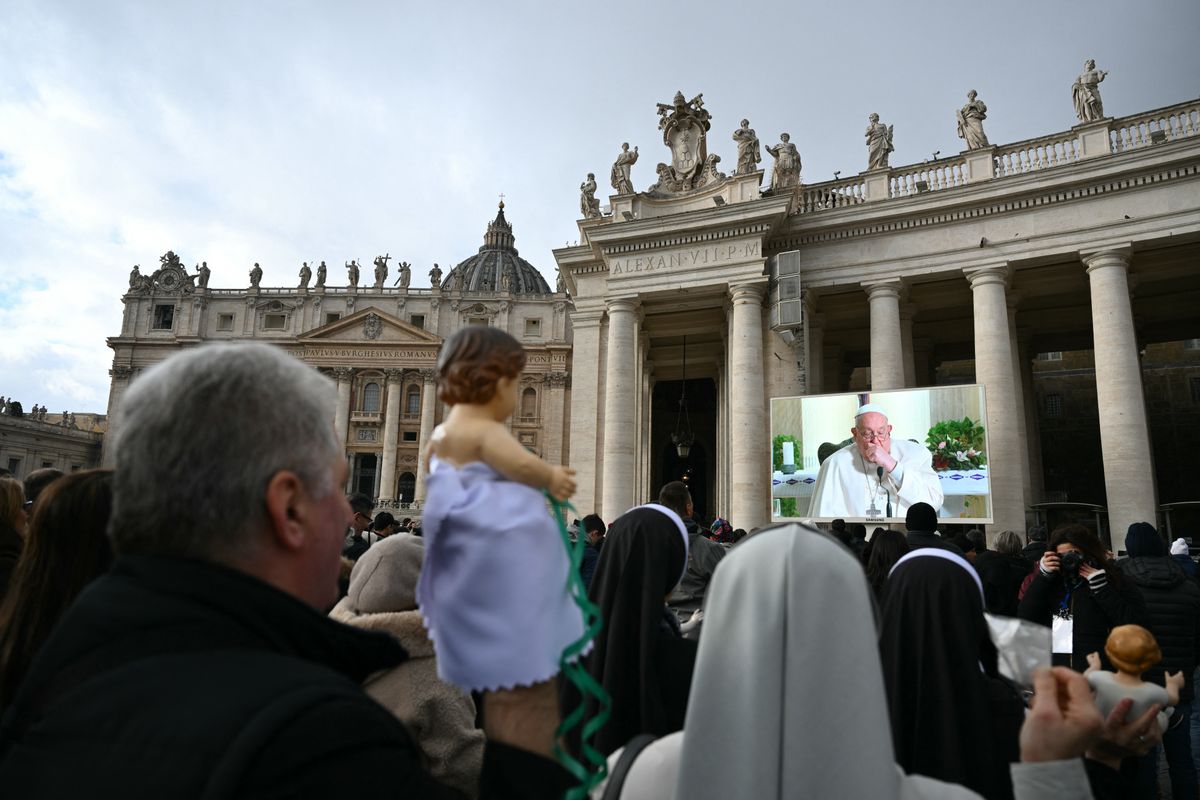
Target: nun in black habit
{"x":640,"y":655}
{"x":953,"y":716}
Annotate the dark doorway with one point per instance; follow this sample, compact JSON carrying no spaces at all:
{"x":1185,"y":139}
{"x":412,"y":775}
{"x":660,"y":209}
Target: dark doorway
{"x":406,"y":487}
{"x":364,"y":473}
{"x":697,"y":469}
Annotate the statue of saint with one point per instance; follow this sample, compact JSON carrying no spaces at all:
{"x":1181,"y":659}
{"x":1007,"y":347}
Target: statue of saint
{"x":787,"y":163}
{"x":748,"y":153}
{"x":506,"y":281}
{"x":135,"y":277}
{"x":405,"y":277}
{"x":381,"y":270}
{"x":435,"y":276}
{"x":305,"y":277}
{"x":970,"y":122}
{"x":255,"y":275}
{"x":1085,"y":92}
{"x":879,"y":143}
{"x":561,"y":284}
{"x":589,"y":206}
{"x":621,"y":168}
{"x":352,"y":272}
{"x":321,"y":271}
{"x":202,"y":274}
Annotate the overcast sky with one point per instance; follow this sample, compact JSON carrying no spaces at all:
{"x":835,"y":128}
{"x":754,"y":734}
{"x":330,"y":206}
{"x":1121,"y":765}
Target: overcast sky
{"x":282,"y":132}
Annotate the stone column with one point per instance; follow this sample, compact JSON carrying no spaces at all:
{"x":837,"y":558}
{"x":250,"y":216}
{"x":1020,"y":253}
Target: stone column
{"x":620,"y":403}
{"x":391,"y":434}
{"x":585,"y":382}
{"x":1033,"y":436}
{"x":831,"y":370}
{"x":816,"y":354}
{"x":887,"y":360}
{"x":341,"y":418}
{"x":552,"y":418}
{"x":428,"y":407}
{"x":121,"y":375}
{"x":1124,"y":437}
{"x":1019,"y":397}
{"x":750,"y":457}
{"x":994,"y":369}
{"x":906,"y":344}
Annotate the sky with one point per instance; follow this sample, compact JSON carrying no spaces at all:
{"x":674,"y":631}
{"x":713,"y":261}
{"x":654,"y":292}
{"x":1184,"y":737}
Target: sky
{"x":282,"y":132}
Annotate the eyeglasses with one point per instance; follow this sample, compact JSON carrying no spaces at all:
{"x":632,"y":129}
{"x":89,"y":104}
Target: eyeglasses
{"x":28,"y":504}
{"x":874,"y":436}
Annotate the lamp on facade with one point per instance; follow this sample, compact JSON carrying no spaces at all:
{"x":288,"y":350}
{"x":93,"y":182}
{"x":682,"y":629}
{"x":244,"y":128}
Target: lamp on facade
{"x":683,"y":436}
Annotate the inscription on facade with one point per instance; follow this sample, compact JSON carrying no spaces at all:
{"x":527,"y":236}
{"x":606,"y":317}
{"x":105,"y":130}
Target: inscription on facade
{"x":689,"y":258}
{"x":364,"y":352}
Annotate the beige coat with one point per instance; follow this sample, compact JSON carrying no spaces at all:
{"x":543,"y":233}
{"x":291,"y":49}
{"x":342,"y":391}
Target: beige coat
{"x":440,"y":717}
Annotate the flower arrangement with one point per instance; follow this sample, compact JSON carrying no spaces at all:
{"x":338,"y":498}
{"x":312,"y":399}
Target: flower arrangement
{"x":956,"y":444}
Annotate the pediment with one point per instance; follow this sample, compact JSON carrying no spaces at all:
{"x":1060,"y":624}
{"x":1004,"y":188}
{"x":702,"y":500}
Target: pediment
{"x":370,"y":326}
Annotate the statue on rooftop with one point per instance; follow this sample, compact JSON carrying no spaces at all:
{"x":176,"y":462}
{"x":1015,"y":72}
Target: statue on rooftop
{"x":589,"y":206}
{"x":321,"y":272}
{"x":787,"y":163}
{"x":749,"y":154}
{"x":352,"y":272}
{"x":435,"y":276}
{"x":879,"y":143}
{"x":305,"y":276}
{"x":202,"y":274}
{"x":256,"y":274}
{"x":381,"y":270}
{"x":137,"y":281}
{"x":620,"y":176}
{"x":405,"y":277}
{"x":1085,"y":93}
{"x":970,"y":122}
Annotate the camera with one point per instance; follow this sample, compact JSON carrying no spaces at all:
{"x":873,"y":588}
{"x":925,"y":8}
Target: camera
{"x":1070,"y":562}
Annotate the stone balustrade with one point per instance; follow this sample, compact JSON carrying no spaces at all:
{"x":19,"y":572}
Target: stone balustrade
{"x":1018,"y":158}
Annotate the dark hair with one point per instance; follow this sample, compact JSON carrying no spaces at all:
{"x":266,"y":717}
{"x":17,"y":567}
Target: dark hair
{"x":838,"y":525}
{"x":593,"y":523}
{"x":39,"y":479}
{"x":65,"y":548}
{"x":472,"y":360}
{"x":1037,"y":534}
{"x":979,"y":538}
{"x":383,"y":520}
{"x":857,"y":530}
{"x":361,"y":504}
{"x":887,"y":547}
{"x":675,"y":496}
{"x":738,"y":535}
{"x":921,"y":517}
{"x":965,"y":543}
{"x":1086,"y":540}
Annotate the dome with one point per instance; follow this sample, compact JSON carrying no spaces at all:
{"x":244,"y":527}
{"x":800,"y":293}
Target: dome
{"x":485,"y":271}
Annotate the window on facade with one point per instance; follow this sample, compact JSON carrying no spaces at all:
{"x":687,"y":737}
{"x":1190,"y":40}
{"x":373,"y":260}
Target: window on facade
{"x":14,"y":465}
{"x":332,"y":316}
{"x":477,"y":320}
{"x":76,"y":467}
{"x":371,"y":398}
{"x":1053,"y":355}
{"x":533,"y":327}
{"x":47,"y":464}
{"x":1195,"y":382}
{"x":408,"y":436}
{"x":274,"y":322}
{"x":1191,"y":344}
{"x":1054,"y":406}
{"x":224,"y":322}
{"x":406,"y":487}
{"x":164,"y":317}
{"x":529,"y":402}
{"x":418,"y":320}
{"x":412,"y":401}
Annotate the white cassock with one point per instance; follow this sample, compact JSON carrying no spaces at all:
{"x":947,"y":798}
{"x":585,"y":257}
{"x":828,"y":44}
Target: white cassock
{"x":847,"y":483}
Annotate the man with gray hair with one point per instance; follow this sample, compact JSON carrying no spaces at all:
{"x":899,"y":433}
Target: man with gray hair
{"x":875,"y":476}
{"x":203,"y":663}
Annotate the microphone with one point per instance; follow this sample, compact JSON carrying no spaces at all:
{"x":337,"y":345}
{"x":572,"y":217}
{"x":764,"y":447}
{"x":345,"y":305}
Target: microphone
{"x":879,"y":474}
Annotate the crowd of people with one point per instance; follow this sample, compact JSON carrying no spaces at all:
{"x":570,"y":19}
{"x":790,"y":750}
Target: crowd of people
{"x":214,"y":617}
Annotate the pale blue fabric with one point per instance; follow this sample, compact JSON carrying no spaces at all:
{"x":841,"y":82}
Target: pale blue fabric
{"x":493,"y":590}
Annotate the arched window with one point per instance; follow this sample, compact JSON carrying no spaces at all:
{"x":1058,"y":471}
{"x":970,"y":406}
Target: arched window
{"x":412,"y":402}
{"x":371,"y":398}
{"x":529,"y":402}
{"x":406,"y":487}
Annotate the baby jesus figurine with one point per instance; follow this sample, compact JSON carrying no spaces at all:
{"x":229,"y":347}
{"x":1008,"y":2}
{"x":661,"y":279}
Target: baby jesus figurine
{"x":1132,"y":649}
{"x":494,"y":587}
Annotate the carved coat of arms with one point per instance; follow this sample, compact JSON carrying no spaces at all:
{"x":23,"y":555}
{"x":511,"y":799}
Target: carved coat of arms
{"x":372,"y":326}
{"x":685,"y":125}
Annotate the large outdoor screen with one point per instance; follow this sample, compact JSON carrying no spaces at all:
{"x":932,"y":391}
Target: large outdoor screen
{"x":908,"y":446}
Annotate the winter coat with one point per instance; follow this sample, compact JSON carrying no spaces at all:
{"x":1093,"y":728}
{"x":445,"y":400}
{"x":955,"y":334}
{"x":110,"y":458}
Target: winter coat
{"x":1002,"y":574}
{"x":439,"y":716}
{"x":1173,"y":607}
{"x":587,"y":567}
{"x":172,"y":677}
{"x":1094,"y":613}
{"x":1185,"y":561}
{"x":703,"y":557}
{"x":1033,"y":552}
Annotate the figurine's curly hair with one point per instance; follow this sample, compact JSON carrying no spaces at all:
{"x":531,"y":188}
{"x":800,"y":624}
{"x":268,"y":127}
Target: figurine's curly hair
{"x":1132,"y":648}
{"x":472,"y":360}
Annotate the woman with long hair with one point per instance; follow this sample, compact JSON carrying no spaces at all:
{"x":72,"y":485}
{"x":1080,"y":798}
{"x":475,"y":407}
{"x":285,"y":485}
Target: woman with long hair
{"x":66,"y":547}
{"x":887,"y":547}
{"x":13,"y":519}
{"x":1079,"y":592}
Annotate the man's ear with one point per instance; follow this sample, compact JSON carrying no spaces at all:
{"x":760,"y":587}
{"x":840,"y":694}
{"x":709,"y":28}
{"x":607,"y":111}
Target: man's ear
{"x":287,"y":508}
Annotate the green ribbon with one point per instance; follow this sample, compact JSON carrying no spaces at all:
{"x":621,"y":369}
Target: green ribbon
{"x":592,"y":767}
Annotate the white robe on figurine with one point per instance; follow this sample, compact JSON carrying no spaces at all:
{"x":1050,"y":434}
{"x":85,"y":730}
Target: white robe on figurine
{"x":848,"y":484}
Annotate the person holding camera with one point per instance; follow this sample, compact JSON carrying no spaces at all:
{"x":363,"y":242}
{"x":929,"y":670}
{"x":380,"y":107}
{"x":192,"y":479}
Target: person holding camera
{"x":1079,"y":592}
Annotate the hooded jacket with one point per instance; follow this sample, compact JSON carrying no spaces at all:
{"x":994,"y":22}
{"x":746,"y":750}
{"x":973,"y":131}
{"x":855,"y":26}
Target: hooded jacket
{"x":1173,"y":611}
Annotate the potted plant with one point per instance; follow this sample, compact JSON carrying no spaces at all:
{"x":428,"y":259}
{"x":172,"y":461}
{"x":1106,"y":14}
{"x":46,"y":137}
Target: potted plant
{"x":956,"y":445}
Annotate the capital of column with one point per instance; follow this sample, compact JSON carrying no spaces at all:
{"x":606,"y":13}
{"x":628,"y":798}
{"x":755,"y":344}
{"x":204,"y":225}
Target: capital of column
{"x":747,"y":293}
{"x":341,"y":374}
{"x":623,"y":304}
{"x":1108,"y":257}
{"x":428,"y":375}
{"x":556,"y":378}
{"x":984,"y":276}
{"x":587,"y":317}
{"x":393,"y":375}
{"x":889,"y":288}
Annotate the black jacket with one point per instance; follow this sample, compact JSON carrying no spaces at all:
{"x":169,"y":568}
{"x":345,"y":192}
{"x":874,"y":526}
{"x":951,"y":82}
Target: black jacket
{"x":1002,"y":575}
{"x":1094,"y":613}
{"x":1173,"y":606}
{"x":918,"y":539}
{"x":178,"y":678}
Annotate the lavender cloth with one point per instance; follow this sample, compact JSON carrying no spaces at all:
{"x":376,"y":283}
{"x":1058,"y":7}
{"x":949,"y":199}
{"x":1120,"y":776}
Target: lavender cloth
{"x":493,"y":589}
